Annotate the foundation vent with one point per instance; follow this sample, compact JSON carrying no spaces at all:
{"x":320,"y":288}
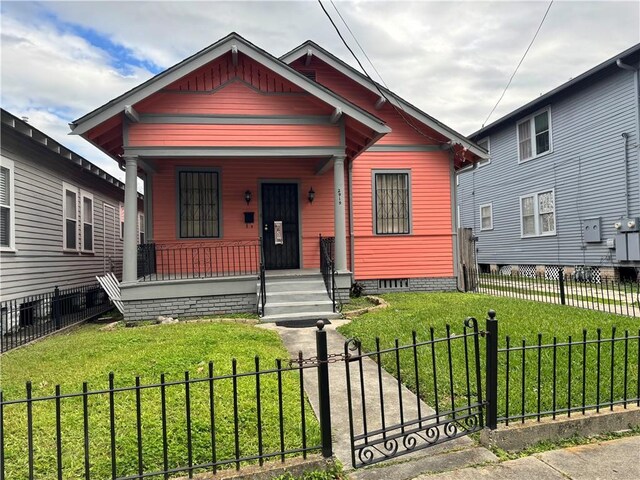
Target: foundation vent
{"x":393,"y":284}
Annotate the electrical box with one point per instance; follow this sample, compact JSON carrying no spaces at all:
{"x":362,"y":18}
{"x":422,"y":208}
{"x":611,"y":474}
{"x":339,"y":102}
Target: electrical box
{"x":591,"y":230}
{"x":629,"y":225}
{"x":621,"y":247}
{"x":249,"y":217}
{"x":611,"y":243}
{"x":633,"y":246}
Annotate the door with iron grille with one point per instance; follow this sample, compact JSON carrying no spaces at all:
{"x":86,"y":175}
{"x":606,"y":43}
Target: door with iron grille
{"x":405,"y":397}
{"x":280,"y":228}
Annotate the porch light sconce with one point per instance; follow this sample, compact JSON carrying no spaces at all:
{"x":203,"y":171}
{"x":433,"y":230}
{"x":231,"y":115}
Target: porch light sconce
{"x":312,"y":195}
{"x":247,"y":197}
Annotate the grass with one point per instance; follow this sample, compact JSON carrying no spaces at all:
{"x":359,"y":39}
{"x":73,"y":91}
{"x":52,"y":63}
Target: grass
{"x":518,"y":319}
{"x":87,"y":354}
{"x":357,"y":303}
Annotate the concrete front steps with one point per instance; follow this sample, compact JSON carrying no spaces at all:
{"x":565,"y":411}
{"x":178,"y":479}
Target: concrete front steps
{"x":296,"y":295}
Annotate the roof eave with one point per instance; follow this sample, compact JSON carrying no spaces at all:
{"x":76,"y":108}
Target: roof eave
{"x":153,"y":85}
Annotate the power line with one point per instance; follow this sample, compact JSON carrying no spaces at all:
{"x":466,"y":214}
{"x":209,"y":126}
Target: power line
{"x":375,"y":84}
{"x":519,"y":63}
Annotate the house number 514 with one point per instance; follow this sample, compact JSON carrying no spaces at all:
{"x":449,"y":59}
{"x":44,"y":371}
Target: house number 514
{"x":339,"y":197}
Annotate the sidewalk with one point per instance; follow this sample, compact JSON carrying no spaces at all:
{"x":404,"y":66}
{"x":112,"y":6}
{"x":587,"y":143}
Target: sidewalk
{"x":615,"y":459}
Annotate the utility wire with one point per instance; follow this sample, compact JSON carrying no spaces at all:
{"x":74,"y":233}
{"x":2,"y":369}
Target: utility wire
{"x":367,"y":74}
{"x":519,"y":63}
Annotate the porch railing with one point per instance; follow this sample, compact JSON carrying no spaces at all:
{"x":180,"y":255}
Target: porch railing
{"x":263,"y":290}
{"x":327,"y":266}
{"x":177,"y":261}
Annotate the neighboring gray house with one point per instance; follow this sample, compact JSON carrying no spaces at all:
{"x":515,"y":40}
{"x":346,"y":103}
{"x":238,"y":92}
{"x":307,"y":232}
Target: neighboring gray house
{"x":561,"y":187}
{"x":60,"y":220}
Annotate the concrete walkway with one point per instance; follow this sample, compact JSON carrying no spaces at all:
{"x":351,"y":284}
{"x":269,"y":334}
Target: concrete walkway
{"x":615,"y":459}
{"x":427,"y":460}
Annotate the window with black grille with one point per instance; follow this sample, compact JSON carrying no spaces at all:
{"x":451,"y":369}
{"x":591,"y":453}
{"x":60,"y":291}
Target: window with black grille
{"x":392,"y":203}
{"x":199,"y":205}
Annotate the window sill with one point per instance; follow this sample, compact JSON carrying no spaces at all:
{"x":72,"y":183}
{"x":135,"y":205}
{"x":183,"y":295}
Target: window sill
{"x":549,"y":152}
{"x":70,"y":251}
{"x":88,"y":252}
{"x":542,"y":235}
{"x":8,"y":250}
{"x":486,"y":229}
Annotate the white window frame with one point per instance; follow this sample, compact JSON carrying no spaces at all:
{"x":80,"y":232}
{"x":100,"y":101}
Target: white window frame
{"x":536,"y":214}
{"x":141,"y":229}
{"x":83,"y":195}
{"x":487,"y":161}
{"x":374,"y":198}
{"x":490,"y":205}
{"x":71,"y":188}
{"x":9,"y":165}
{"x":532,"y":128}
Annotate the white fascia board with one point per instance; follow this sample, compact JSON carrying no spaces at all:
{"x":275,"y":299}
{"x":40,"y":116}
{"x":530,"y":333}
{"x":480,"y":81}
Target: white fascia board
{"x":208,"y":55}
{"x":392,"y":97}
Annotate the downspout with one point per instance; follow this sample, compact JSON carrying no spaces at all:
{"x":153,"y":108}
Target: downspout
{"x":636,"y":82}
{"x":625,"y":142}
{"x":351,"y":234}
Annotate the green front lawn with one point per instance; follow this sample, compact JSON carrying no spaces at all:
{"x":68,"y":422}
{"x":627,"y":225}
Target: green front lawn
{"x":87,"y":354}
{"x":518,"y":319}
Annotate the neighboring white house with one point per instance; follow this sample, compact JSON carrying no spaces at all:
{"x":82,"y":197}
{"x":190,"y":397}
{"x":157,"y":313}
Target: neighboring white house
{"x":60,"y":215}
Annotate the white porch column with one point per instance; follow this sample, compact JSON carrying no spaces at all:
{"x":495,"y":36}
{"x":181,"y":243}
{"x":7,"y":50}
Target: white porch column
{"x":339,"y":214}
{"x":130,"y":249}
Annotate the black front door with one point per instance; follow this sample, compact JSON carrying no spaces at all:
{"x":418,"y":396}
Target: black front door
{"x":280,"y":229}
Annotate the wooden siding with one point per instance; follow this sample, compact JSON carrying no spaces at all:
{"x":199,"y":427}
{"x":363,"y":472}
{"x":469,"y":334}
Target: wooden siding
{"x":237,"y":176}
{"x":427,"y":251}
{"x":402,"y":133}
{"x":234,"y":135}
{"x":39,"y":263}
{"x":586,"y":169}
{"x":235,"y":97}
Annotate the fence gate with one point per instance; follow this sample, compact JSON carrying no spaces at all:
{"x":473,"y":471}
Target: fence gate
{"x":387,"y":420}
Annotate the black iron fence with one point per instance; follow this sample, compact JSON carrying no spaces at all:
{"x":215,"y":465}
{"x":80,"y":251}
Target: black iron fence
{"x":25,"y":319}
{"x":185,"y":426}
{"x":327,"y":266}
{"x":536,"y":379}
{"x":199,"y":260}
{"x":578,"y":290}
{"x":386,"y":422}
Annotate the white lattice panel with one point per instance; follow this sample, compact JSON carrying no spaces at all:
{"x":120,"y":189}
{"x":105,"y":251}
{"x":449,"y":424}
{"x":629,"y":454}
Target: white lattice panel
{"x":551,"y":272}
{"x":527,"y":270}
{"x":587,"y":274}
{"x":505,"y":270}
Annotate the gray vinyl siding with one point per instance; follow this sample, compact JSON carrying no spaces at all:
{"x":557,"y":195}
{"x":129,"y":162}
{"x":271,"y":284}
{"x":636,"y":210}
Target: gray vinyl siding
{"x":585,"y":169}
{"x":39,"y":263}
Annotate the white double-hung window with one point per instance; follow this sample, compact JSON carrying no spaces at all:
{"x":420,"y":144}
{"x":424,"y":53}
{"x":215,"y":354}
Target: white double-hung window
{"x":538,"y":214}
{"x":486,"y":216}
{"x":7,"y":205}
{"x":87,"y":222}
{"x":77,"y":215}
{"x":534,"y":135}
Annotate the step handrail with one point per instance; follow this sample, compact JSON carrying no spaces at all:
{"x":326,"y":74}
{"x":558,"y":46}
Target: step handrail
{"x":327,"y":267}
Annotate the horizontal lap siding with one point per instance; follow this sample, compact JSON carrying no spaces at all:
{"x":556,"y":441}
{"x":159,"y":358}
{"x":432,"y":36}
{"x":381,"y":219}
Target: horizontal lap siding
{"x":233,"y":99}
{"x":237,"y":176}
{"x":586,"y":169}
{"x":39,"y":264}
{"x":427,"y":251}
{"x":233,"y":135}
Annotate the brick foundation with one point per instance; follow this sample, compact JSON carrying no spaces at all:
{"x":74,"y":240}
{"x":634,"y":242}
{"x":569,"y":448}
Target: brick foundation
{"x":427,"y":284}
{"x":189,"y":307}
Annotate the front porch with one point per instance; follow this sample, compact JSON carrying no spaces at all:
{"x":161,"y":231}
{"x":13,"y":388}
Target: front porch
{"x":230,"y":277}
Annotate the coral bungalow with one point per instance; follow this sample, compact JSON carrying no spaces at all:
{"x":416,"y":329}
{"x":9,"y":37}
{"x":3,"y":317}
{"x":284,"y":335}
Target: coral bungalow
{"x":299,"y":172}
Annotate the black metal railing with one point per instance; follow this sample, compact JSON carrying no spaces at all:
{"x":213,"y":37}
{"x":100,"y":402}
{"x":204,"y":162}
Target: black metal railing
{"x":263,"y":290}
{"x":384,"y":424}
{"x":581,"y":289}
{"x":25,"y":319}
{"x":327,"y":266}
{"x":177,"y":426}
{"x":536,"y":379}
{"x":198,"y":260}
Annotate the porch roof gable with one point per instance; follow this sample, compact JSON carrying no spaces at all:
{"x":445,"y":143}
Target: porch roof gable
{"x":310,"y":48}
{"x":236,"y":43}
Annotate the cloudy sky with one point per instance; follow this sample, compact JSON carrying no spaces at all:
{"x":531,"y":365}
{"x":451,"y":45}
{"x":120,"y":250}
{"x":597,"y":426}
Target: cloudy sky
{"x":61,"y":60}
